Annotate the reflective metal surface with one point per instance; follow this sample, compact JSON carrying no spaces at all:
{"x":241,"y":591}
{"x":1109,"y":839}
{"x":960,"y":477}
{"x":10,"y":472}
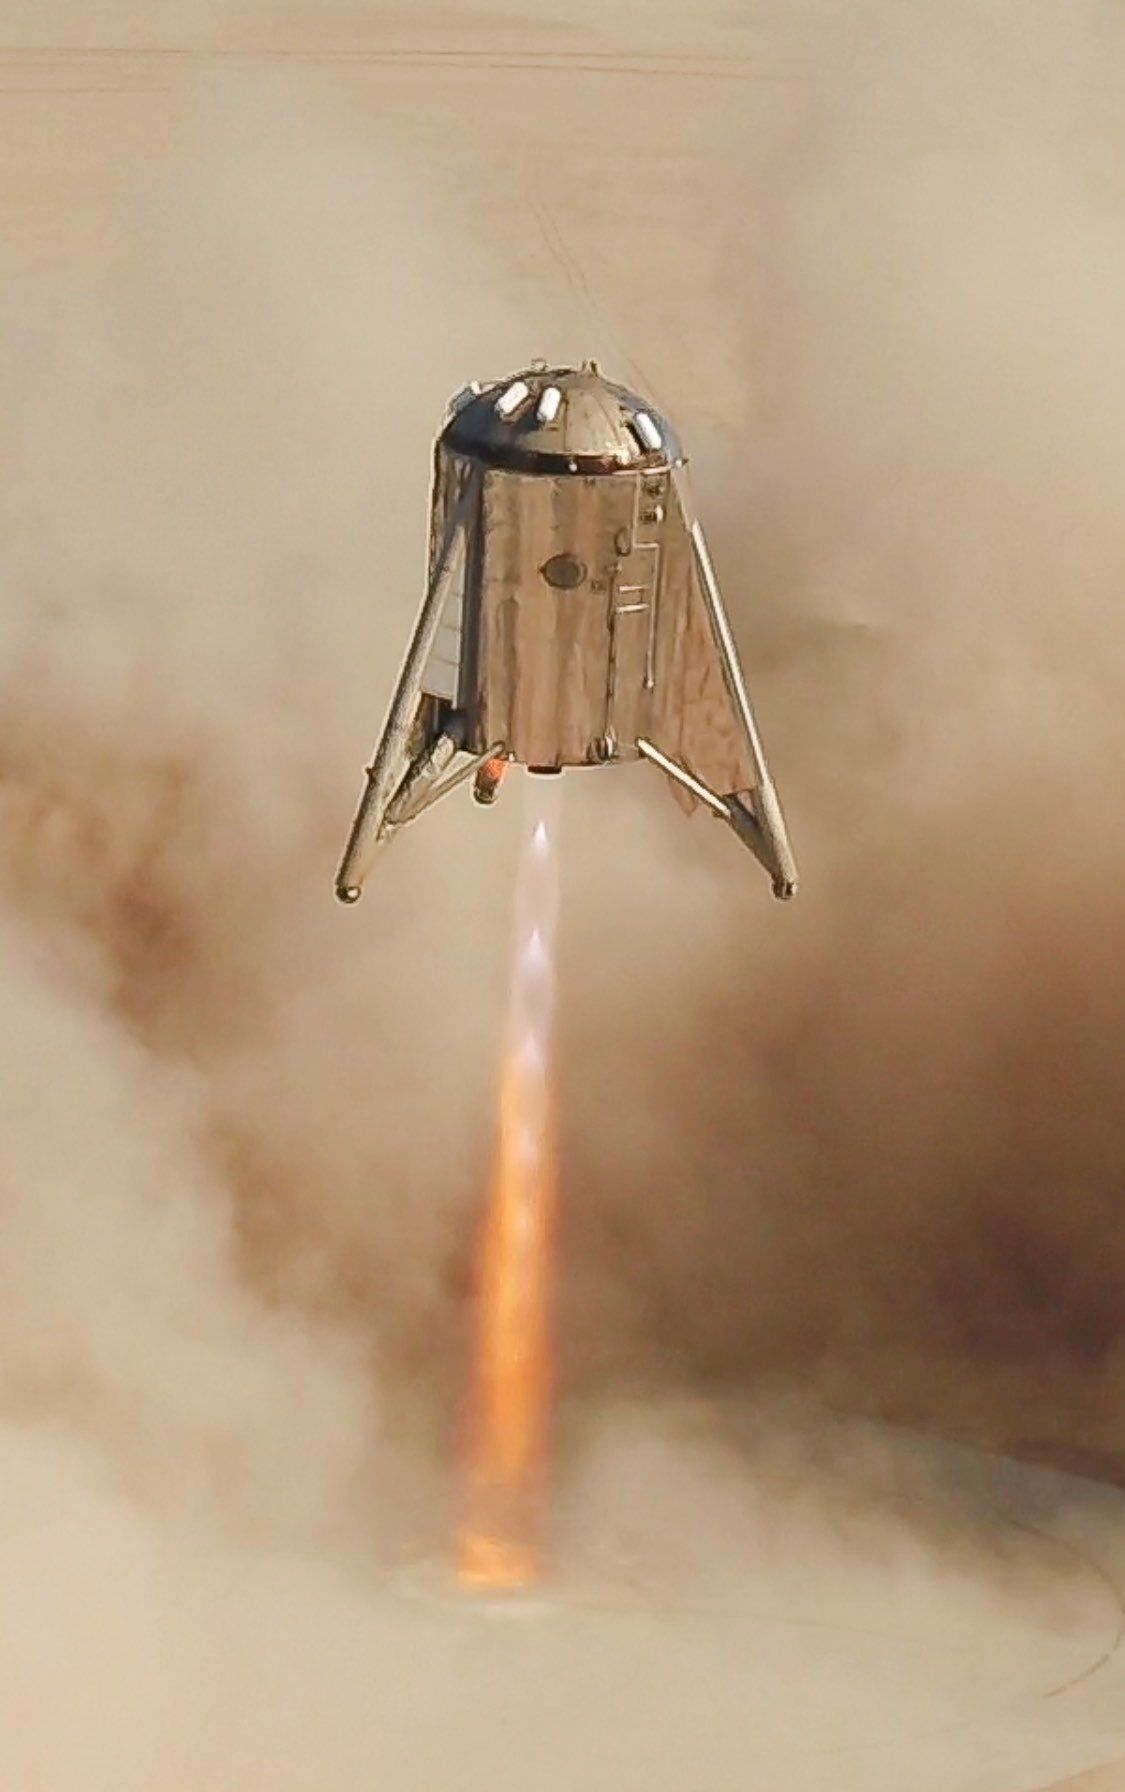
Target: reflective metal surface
{"x":572,"y":617}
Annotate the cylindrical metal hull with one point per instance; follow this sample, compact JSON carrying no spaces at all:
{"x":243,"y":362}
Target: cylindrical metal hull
{"x":572,"y":617}
{"x":580,"y":629}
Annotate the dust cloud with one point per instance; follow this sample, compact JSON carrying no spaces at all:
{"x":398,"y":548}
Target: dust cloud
{"x":864,"y":1150}
{"x":874,"y":1142}
{"x":242,"y":1138}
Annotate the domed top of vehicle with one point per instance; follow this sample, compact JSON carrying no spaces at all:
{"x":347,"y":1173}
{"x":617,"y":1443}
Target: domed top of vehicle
{"x":559,"y":420}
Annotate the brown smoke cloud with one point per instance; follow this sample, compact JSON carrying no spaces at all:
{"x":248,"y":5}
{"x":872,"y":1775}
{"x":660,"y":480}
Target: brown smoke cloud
{"x":865,"y":1149}
{"x":875,"y":1142}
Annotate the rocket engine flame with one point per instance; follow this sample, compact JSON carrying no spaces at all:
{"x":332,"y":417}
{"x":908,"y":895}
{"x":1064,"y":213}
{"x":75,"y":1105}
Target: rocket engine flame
{"x":505,"y":1472}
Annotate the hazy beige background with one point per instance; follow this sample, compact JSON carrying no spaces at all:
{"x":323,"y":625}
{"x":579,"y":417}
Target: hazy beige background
{"x":865,"y":1149}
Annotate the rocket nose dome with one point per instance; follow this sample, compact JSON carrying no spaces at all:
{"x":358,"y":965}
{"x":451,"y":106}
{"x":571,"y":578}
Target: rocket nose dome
{"x":560,"y":419}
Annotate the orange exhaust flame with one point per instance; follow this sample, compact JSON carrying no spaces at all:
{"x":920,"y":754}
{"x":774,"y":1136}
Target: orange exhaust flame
{"x":505,"y":1479}
{"x":508,"y":1443}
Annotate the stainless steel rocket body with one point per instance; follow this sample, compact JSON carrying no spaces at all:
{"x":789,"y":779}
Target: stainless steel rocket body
{"x":571,"y":618}
{"x":562,"y":647}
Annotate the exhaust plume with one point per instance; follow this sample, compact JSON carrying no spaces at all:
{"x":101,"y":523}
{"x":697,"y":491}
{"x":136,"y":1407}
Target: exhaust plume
{"x":510,"y":1396}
